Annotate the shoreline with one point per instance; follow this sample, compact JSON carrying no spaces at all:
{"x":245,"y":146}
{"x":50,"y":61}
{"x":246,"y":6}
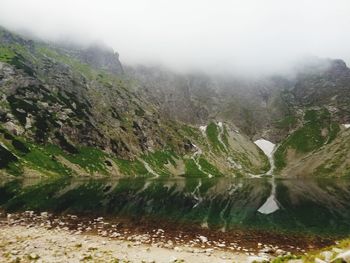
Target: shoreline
{"x":169,"y":242}
{"x":38,"y":244}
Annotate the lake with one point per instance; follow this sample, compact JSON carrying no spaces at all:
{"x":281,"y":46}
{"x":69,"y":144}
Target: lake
{"x":313,"y":206}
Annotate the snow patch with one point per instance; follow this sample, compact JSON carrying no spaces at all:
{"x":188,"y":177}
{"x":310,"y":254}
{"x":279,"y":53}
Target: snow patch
{"x":269,"y":206}
{"x":266,"y":146}
{"x":346,"y":126}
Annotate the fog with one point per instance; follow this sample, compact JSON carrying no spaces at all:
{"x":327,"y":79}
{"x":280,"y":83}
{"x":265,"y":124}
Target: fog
{"x":246,"y":36}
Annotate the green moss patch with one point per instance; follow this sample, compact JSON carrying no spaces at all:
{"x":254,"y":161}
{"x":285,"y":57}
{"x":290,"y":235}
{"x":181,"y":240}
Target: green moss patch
{"x":212,"y":132}
{"x":309,"y":137}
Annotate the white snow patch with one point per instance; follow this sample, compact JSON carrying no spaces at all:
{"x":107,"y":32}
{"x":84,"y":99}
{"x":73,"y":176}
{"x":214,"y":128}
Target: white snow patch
{"x":269,"y":206}
{"x":346,"y":126}
{"x":266,"y":146}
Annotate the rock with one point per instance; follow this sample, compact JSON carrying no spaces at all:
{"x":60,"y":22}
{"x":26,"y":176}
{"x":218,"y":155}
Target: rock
{"x":327,"y":255}
{"x":203,"y":239}
{"x":268,"y":250}
{"x":337,"y":250}
{"x":318,"y":260}
{"x":172,"y":259}
{"x":159,"y":231}
{"x":44,"y":214}
{"x":34,"y":256}
{"x":345,"y":257}
{"x":209,"y":250}
{"x":178,"y":249}
{"x":252,"y":259}
{"x":280,"y":252}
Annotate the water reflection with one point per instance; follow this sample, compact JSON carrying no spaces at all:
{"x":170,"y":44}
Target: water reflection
{"x":308,"y":205}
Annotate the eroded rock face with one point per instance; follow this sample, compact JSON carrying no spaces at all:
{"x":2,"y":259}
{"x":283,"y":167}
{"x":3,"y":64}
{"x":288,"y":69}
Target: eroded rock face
{"x":76,"y":96}
{"x":328,"y":86}
{"x":100,"y":57}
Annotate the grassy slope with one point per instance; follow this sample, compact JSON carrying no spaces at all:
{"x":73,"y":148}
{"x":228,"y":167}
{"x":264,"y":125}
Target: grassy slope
{"x":317,"y":130}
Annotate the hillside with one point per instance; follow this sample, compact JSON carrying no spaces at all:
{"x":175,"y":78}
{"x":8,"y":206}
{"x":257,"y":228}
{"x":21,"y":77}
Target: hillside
{"x":71,"y":111}
{"x":302,"y":113}
{"x":67,"y":109}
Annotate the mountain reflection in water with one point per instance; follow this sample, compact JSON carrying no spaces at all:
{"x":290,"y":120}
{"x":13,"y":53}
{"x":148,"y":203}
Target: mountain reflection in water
{"x":306,"y":205}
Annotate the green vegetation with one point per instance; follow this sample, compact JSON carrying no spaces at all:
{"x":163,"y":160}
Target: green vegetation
{"x":343,"y":245}
{"x":192,"y":169}
{"x":91,"y":159}
{"x":44,"y":157}
{"x":159,"y":159}
{"x":6,"y":157}
{"x":287,"y":258}
{"x":74,"y":63}
{"x":318,"y":129}
{"x":209,"y":168}
{"x":212,"y":132}
{"x":6,"y":54}
{"x":131,"y":168}
{"x":225,"y":136}
{"x":40,"y":159}
{"x":190,"y":131}
{"x":39,"y":196}
{"x":287,"y":122}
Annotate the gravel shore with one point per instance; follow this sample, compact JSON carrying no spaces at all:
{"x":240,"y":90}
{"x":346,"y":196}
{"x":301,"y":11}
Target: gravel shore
{"x":38,"y":244}
{"x":44,"y":237}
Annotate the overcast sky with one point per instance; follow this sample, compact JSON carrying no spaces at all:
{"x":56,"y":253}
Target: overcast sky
{"x":228,"y":35}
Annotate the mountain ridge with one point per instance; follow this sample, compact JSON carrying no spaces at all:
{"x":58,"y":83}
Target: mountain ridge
{"x":76,"y":113}
{"x":72,"y":101}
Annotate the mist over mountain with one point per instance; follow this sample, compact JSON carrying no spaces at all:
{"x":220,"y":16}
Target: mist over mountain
{"x":240,"y":37}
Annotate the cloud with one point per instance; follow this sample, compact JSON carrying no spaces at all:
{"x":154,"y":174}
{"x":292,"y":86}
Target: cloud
{"x":217,"y":35}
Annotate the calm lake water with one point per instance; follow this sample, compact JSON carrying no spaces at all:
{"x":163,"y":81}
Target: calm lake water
{"x":319,"y":206}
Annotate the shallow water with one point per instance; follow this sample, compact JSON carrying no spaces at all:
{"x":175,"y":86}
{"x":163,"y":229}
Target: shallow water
{"x":316,"y":206}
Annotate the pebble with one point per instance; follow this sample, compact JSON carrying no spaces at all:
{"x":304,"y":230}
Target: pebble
{"x":203,"y":239}
{"x":33,"y":256}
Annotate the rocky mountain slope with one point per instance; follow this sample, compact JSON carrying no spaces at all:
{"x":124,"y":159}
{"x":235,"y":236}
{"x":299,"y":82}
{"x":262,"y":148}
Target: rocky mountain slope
{"x":71,"y":111}
{"x":67,"y":109}
{"x":303,"y":113}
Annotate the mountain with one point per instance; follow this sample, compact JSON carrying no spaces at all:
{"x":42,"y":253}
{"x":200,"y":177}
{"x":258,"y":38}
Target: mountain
{"x":68,"y":110}
{"x":302,"y":113}
{"x":76,"y":110}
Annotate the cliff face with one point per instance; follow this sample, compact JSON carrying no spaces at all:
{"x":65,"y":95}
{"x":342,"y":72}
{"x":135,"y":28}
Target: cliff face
{"x":302,"y":113}
{"x":70,"y":111}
